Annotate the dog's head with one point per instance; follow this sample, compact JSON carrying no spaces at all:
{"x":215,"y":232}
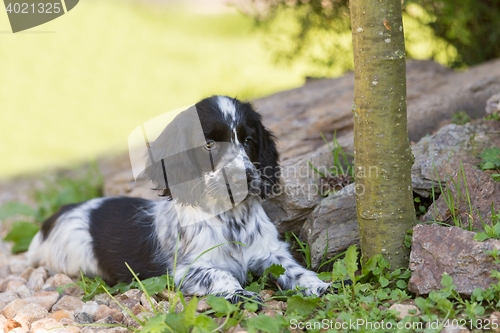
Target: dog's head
{"x":213,"y":154}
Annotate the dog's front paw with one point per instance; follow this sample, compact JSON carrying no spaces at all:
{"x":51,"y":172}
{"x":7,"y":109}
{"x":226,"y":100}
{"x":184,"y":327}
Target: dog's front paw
{"x":242,"y":296}
{"x":317,"y":289}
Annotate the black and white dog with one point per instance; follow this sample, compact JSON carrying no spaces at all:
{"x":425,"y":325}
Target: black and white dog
{"x":100,"y":235}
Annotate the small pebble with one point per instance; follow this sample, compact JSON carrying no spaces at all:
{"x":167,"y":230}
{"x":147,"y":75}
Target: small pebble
{"x":68,"y":303}
{"x":167,"y":294}
{"x":45,"y":323}
{"x":403,"y":310}
{"x":18,"y":264}
{"x":90,"y":307}
{"x":102,"y":298}
{"x":134,"y":294}
{"x":4,"y":269}
{"x":37,"y":279}
{"x":265,"y":294}
{"x":11,"y":324}
{"x":70,"y":325}
{"x":203,"y":305}
{"x":44,"y":298}
{"x":58,"y":315}
{"x":147,"y":303}
{"x":31,"y":313}
{"x":11,"y":309}
{"x":8,"y":296}
{"x":27,"y":273}
{"x":495,"y":321}
{"x":23,"y":291}
{"x":126,"y":303}
{"x":12,"y":285}
{"x":105,"y":311}
{"x":5,"y":282}
{"x":83,"y":318}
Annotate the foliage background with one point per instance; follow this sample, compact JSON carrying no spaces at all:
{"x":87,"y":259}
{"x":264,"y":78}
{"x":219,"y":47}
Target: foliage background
{"x":454,"y":33}
{"x":74,"y":88}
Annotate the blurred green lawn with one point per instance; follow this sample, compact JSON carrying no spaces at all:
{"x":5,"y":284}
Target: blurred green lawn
{"x":76,"y":87}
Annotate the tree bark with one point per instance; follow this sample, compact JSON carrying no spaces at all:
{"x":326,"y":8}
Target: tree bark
{"x":382,"y":153}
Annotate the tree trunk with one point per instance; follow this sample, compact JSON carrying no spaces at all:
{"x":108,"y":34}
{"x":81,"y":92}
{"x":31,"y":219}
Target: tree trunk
{"x":382,"y":153}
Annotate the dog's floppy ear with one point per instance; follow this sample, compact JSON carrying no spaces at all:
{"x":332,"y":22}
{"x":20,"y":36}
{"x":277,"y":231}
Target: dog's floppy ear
{"x":268,"y":163}
{"x":171,"y":160}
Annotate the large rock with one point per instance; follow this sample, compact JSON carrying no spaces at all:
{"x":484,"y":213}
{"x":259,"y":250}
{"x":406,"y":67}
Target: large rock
{"x":334,"y":223}
{"x":298,"y":192}
{"x":435,"y":93}
{"x":482,"y":191}
{"x":437,"y":249}
{"x":442,"y":152}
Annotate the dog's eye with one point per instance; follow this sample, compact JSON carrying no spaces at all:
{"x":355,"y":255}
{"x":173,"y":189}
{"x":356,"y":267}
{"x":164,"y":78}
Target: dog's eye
{"x":248,"y":142}
{"x":210,"y":145}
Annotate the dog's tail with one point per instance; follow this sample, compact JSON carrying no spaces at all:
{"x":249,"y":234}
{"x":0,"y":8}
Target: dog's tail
{"x":33,"y":254}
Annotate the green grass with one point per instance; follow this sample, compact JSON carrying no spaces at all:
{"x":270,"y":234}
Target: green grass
{"x":81,"y":185}
{"x":365,"y":303}
{"x":77,"y":86}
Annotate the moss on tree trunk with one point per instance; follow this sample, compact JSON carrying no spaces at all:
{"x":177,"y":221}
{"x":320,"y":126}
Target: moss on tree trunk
{"x":383,"y":157}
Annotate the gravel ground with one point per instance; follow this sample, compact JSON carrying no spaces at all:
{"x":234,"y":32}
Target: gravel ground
{"x":29,"y":302}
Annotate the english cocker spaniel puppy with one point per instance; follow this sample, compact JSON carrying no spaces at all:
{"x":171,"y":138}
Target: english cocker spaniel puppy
{"x":214,"y":163}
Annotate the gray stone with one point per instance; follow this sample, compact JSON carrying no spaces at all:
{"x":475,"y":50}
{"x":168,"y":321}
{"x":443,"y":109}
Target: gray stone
{"x":4,"y":268}
{"x":67,"y":303}
{"x":336,"y":217}
{"x":44,"y":298}
{"x":27,"y":273}
{"x":30,"y":313}
{"x":134,"y":294}
{"x":438,"y":249}
{"x":61,"y":280}
{"x":12,"y":282}
{"x":104,"y":312}
{"x":23,"y":291}
{"x":37,"y":279}
{"x":18,"y":263}
{"x":495,"y":321}
{"x":2,"y":305}
{"x":298,"y":193}
{"x":202,"y":305}
{"x":493,"y":104}
{"x":90,"y":307}
{"x":13,"y":285}
{"x":442,"y":152}
{"x":482,"y":190}
{"x":45,"y":324}
{"x":83,"y":318}
{"x":13,"y":307}
{"x":8,"y":296}
{"x":103,"y":298}
{"x":404,"y":310}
